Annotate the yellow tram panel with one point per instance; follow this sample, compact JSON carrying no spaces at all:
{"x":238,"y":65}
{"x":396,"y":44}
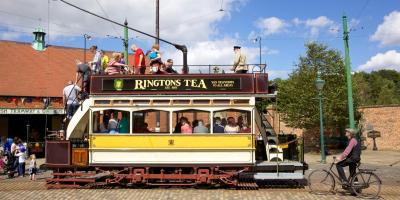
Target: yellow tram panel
{"x":209,"y":141}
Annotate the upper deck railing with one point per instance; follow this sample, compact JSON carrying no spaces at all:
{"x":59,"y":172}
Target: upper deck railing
{"x":219,"y":69}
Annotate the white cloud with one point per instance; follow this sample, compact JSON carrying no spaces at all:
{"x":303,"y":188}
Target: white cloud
{"x":318,"y":23}
{"x":179,"y":19}
{"x":388,"y":33}
{"x":387,"y":60}
{"x":271,"y":25}
{"x":217,"y":52}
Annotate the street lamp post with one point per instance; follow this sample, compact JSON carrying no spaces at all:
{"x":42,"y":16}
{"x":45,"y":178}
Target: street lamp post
{"x":85,"y":37}
{"x":319,"y":83}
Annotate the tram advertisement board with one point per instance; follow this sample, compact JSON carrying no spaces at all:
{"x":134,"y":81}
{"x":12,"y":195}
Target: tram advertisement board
{"x":172,"y":84}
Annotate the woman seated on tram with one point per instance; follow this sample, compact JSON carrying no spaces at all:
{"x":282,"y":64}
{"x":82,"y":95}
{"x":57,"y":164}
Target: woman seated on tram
{"x":231,"y":127}
{"x":185,"y":128}
{"x":115,"y":66}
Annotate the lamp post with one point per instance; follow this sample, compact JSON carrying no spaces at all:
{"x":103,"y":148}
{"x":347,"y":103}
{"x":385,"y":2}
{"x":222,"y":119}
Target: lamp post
{"x":319,"y":83}
{"x":85,"y":37}
{"x":258,"y":39}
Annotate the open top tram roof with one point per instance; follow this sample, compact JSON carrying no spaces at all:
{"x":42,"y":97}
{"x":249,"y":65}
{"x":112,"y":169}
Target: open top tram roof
{"x":180,"y":84}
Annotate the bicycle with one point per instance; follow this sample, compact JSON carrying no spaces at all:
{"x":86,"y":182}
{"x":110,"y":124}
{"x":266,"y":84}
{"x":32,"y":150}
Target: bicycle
{"x":364,"y":183}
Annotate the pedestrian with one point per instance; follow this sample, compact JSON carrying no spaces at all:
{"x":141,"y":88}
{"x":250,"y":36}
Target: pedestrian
{"x":70,"y":99}
{"x":21,"y":149}
{"x":239,"y":63}
{"x":139,"y":65}
{"x":32,"y":167}
{"x":96,"y":62}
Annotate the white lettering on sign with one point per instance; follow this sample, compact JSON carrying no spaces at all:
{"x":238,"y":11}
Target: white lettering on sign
{"x":25,"y":111}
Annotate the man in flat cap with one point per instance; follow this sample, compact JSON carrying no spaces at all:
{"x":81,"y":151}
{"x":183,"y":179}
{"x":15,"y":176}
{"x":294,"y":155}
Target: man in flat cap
{"x":239,"y":64}
{"x":350,"y":157}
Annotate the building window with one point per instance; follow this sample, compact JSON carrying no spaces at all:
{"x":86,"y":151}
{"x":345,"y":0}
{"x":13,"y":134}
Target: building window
{"x":232,"y":121}
{"x":111,"y":121}
{"x":150,"y":121}
{"x":191,"y":121}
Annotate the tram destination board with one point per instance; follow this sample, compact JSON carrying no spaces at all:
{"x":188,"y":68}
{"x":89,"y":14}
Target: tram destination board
{"x":174,"y":84}
{"x":179,"y":84}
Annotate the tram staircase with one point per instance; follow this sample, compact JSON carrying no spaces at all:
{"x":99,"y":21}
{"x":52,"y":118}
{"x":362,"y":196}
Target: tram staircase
{"x":79,"y":120}
{"x":269,"y":137}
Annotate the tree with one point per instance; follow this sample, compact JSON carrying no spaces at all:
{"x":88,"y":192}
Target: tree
{"x":298,"y":96}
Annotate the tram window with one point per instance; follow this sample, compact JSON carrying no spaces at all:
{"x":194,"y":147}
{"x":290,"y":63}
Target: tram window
{"x":232,"y":121}
{"x":196,"y":121}
{"x":181,"y":102}
{"x":201,"y":101}
{"x":221,"y":101}
{"x":140,"y":102}
{"x":240,"y":101}
{"x":161,"y":102}
{"x":102,"y":102}
{"x":111,"y":121}
{"x":150,"y":121}
{"x":121,"y":102}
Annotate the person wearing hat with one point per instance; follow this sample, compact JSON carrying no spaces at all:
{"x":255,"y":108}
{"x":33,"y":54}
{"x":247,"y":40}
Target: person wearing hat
{"x":350,"y":157}
{"x":239,"y":63}
{"x":155,"y":67}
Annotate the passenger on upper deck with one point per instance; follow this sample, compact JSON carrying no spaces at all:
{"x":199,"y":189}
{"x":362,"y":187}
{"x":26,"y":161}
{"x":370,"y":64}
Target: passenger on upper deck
{"x":169,"y":68}
{"x":156,"y":67}
{"x":155,"y":53}
{"x":115,"y":66}
{"x":231,"y":127}
{"x":104,"y":61}
{"x":239,"y":63}
{"x":83,"y":72}
{"x":139,"y":65}
{"x":96,"y":62}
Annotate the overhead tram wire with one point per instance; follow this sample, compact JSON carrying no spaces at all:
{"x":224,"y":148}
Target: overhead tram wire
{"x":179,"y":47}
{"x":103,"y":10}
{"x":53,"y":23}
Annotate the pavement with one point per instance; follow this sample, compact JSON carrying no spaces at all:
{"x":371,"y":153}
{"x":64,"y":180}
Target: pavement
{"x":23,"y":188}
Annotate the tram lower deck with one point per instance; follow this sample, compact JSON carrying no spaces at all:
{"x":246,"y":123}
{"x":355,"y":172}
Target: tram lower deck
{"x":131,"y":136}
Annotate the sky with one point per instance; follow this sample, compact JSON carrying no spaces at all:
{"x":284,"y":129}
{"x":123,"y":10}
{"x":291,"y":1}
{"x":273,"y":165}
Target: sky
{"x":210,"y":28}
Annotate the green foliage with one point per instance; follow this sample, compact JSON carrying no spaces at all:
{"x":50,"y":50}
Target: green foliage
{"x":298,"y":96}
{"x":377,"y":88}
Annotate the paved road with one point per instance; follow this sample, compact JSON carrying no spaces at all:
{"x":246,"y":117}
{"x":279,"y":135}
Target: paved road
{"x":22,"y":188}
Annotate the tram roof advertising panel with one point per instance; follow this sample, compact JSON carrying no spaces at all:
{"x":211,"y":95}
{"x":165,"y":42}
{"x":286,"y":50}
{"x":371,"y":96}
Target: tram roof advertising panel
{"x":180,"y":84}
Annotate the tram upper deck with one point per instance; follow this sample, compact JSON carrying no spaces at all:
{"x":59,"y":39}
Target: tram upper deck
{"x":180,"y":84}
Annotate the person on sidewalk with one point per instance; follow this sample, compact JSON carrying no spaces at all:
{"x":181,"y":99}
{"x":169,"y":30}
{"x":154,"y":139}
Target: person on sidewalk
{"x":350,"y":157}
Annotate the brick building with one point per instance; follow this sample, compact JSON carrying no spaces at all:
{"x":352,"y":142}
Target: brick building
{"x":31,"y":88}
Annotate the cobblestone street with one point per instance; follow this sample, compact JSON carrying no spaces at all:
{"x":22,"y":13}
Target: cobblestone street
{"x":22,"y":188}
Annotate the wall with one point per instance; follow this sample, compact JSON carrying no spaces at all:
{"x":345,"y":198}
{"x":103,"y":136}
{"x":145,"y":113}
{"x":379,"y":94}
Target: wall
{"x":385,"y":119}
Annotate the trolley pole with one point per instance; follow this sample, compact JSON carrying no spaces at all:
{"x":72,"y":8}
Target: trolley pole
{"x":157,"y":22}
{"x":348,"y":73}
{"x":126,"y":41}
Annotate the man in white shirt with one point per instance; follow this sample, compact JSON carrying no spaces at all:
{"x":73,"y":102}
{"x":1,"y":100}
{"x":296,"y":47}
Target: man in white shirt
{"x":70,"y":98}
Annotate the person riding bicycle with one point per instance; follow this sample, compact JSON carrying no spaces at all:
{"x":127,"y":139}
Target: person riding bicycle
{"x":350,"y":157}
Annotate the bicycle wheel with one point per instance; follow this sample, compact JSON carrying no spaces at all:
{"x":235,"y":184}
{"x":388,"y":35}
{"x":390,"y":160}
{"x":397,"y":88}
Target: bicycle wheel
{"x":366,"y":185}
{"x":321,"y":182}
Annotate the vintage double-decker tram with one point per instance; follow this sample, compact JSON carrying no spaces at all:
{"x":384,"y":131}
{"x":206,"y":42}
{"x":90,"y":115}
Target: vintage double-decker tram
{"x":149,"y":148}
